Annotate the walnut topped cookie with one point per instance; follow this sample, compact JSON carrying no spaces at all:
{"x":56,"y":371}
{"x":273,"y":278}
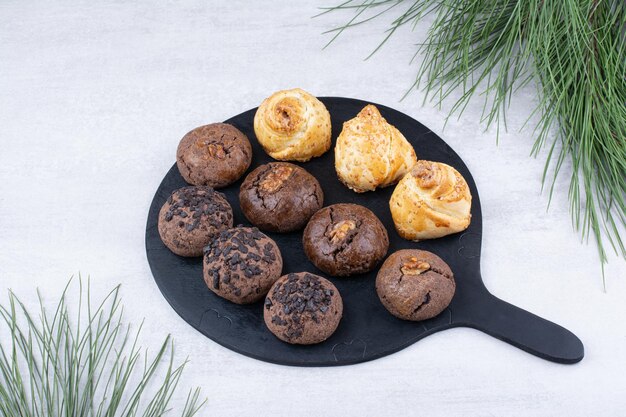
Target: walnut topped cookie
{"x":345,"y":239}
{"x":303,"y":308}
{"x":415,"y":284}
{"x":191,"y":217}
{"x":217,"y":155}
{"x":280,"y":197}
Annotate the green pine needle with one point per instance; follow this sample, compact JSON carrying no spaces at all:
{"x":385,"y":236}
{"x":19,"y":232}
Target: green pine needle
{"x":576,"y":49}
{"x":84,"y":363}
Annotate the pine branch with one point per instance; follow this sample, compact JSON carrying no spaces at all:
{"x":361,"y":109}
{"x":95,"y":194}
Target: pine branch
{"x":87,"y":363}
{"x":577,"y":52}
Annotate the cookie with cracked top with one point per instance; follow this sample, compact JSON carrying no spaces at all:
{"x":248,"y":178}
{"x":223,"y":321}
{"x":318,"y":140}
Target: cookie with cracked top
{"x":415,"y":284}
{"x":191,"y":217}
{"x":303,"y":308}
{"x":345,"y":239}
{"x":216,"y":155}
{"x":241,"y":264}
{"x":280,"y":197}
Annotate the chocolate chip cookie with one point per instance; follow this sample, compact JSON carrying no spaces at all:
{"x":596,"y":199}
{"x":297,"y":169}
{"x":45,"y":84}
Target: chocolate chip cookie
{"x":345,"y":239}
{"x":303,"y":308}
{"x":241,"y":264}
{"x":215,"y":155}
{"x":415,"y":284}
{"x":280,"y":197}
{"x":191,"y":217}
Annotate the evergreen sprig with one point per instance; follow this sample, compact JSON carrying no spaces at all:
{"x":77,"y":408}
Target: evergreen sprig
{"x":575,"y":49}
{"x":85,"y":363}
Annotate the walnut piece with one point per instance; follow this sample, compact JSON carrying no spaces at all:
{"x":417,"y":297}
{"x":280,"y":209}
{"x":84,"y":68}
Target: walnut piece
{"x":414,"y":267}
{"x":275,"y":178}
{"x":215,"y":150}
{"x":340,"y":230}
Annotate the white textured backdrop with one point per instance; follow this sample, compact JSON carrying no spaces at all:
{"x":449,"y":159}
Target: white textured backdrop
{"x":94,"y":97}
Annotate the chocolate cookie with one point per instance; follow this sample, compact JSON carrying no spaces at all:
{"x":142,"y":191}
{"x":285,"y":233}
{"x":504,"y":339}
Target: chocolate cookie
{"x":215,"y":155}
{"x":280,"y":197}
{"x":415,"y":285}
{"x":191,"y":217}
{"x":242,"y":264}
{"x":345,"y":239}
{"x":303,"y":308}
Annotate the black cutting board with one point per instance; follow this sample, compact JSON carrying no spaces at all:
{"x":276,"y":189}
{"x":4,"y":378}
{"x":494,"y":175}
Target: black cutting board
{"x":367,"y":331}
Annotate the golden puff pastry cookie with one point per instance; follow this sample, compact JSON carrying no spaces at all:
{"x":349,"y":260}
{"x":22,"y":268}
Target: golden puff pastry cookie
{"x":371,"y":153}
{"x":293,"y":125}
{"x":432,"y":200}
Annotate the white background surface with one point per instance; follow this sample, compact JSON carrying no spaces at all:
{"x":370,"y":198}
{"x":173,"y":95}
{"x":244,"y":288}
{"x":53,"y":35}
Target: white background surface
{"x":94,"y":97}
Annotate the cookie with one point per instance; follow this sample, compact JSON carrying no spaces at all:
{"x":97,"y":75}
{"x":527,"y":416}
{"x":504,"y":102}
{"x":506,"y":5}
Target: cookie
{"x":345,"y":239}
{"x":303,"y":308}
{"x":216,"y":155}
{"x":280,"y":197}
{"x":241,"y":264}
{"x":415,"y":284}
{"x":191,"y":217}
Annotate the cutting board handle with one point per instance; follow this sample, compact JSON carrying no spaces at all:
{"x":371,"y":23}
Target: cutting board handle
{"x":525,"y":330}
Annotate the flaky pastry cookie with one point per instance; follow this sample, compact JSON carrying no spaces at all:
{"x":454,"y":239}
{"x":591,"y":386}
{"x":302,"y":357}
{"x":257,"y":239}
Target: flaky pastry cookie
{"x":293,"y":125}
{"x":432,"y":200}
{"x":371,"y":153}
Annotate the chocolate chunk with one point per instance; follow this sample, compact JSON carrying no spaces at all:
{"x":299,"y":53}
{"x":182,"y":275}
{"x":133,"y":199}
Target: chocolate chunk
{"x":235,"y":259}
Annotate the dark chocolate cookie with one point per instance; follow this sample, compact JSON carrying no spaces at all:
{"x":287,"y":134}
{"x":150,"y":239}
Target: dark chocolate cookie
{"x":280,"y":197}
{"x":415,"y":284}
{"x":242,"y":264}
{"x":216,"y":155}
{"x":191,"y":217}
{"x":303,"y":308}
{"x":345,"y":239}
